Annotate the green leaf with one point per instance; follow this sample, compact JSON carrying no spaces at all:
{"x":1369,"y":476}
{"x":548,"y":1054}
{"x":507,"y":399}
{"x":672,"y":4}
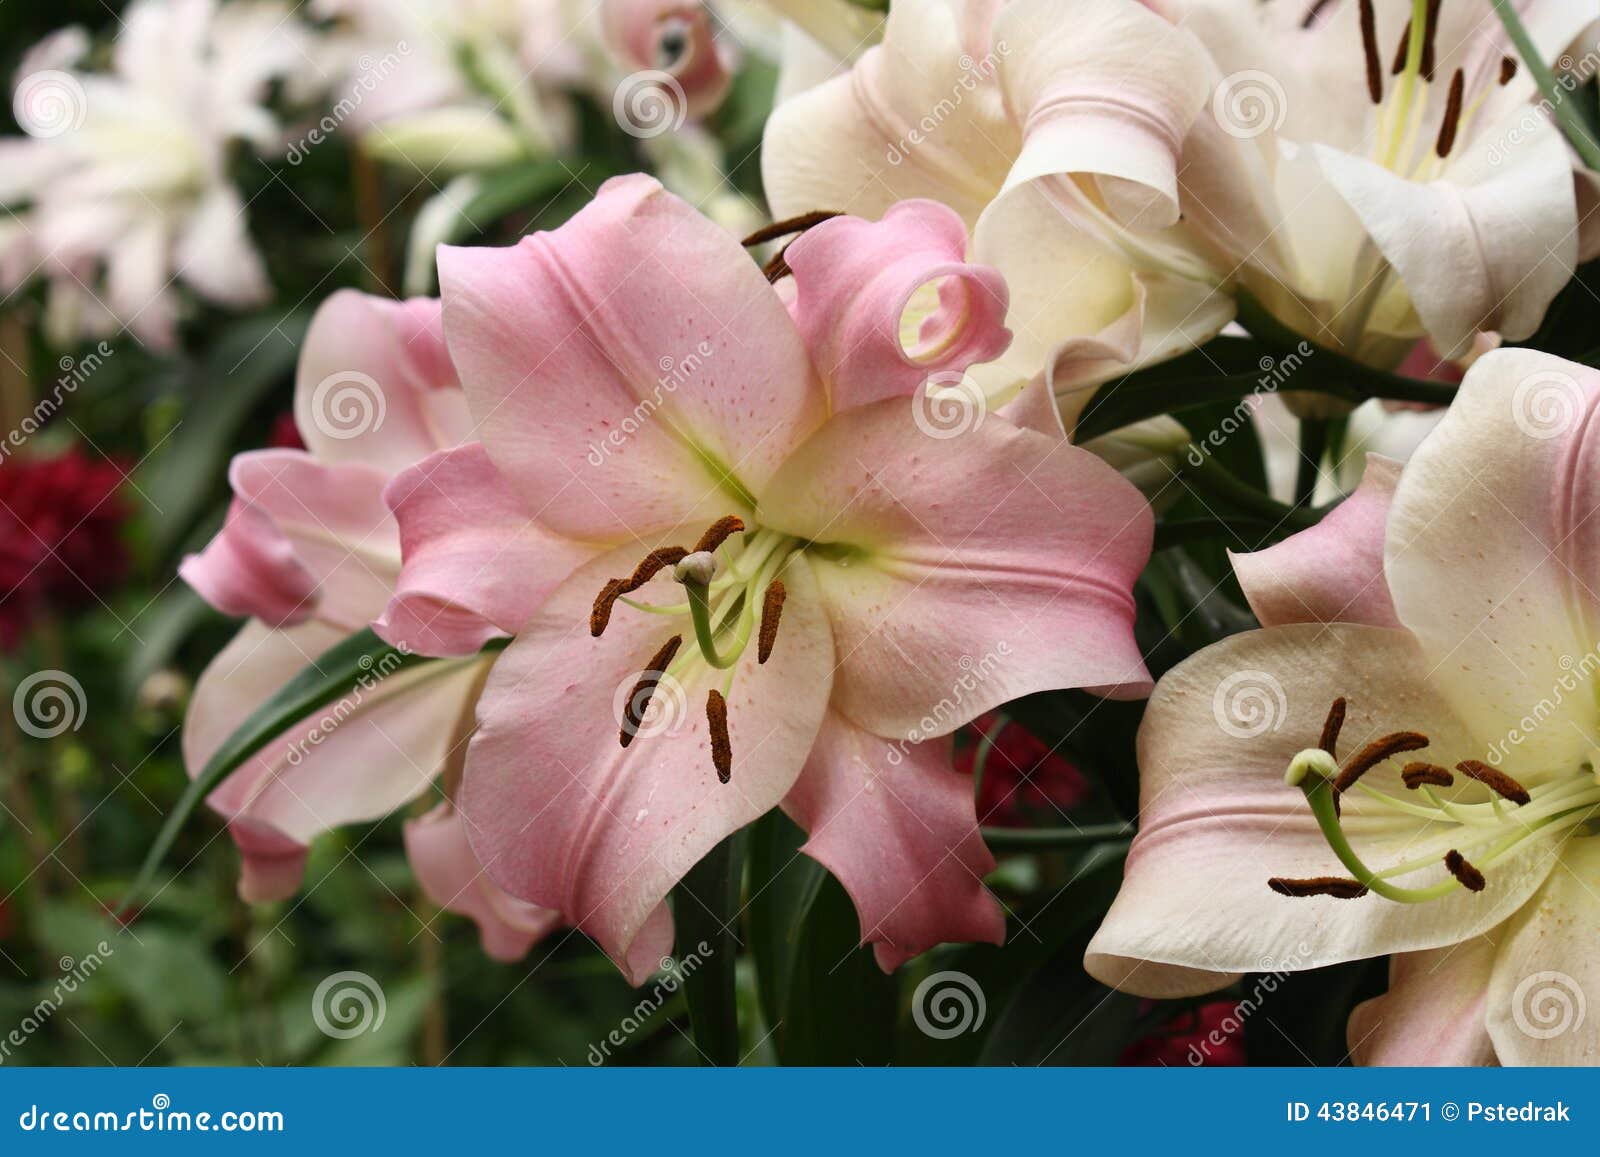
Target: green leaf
{"x":326,"y":678}
{"x":705,"y":907}
{"x":783,"y":885}
{"x":1580,"y":129}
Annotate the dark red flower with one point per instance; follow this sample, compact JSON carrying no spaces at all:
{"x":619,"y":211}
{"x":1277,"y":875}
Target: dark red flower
{"x":1212,"y":1034}
{"x":285,"y":435}
{"x":1025,"y":783}
{"x":60,"y":535}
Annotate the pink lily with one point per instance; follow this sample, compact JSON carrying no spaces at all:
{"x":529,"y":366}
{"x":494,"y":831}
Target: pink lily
{"x":311,"y":553}
{"x":640,"y":390}
{"x":1448,"y":610}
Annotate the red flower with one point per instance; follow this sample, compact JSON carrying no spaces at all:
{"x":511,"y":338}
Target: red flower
{"x":1025,"y":783}
{"x":60,"y":523}
{"x":285,"y":434}
{"x":1212,"y":1034}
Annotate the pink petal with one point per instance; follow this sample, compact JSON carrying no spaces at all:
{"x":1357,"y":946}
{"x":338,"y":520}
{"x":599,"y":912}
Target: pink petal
{"x":376,"y":384}
{"x":450,"y":876}
{"x":561,"y":815}
{"x":1433,"y":1013}
{"x":899,"y":829}
{"x":477,"y":563}
{"x":301,"y":539}
{"x":1332,"y":572}
{"x":677,"y":37}
{"x":271,"y":865}
{"x":855,"y":280}
{"x":976,"y":568}
{"x":632,"y":370}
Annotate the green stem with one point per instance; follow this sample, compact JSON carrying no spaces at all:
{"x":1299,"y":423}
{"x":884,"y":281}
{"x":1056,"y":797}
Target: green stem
{"x":1218,"y":482}
{"x":1319,"y":794}
{"x":700,"y":612}
{"x":1044,"y":839}
{"x":1313,"y":446}
{"x":1566,"y":113}
{"x":705,"y":908}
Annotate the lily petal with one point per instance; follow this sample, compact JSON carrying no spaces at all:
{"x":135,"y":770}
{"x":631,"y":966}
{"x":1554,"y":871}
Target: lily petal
{"x":955,"y":573}
{"x":1433,"y":1012}
{"x":899,"y":829}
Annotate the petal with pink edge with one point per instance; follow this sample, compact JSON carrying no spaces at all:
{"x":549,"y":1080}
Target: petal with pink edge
{"x":855,"y":281}
{"x":1216,"y":819}
{"x":1333,"y":571}
{"x":961,"y":572}
{"x":376,"y":384}
{"x":250,"y":569}
{"x":632,"y":370}
{"x":449,"y":875}
{"x":1433,"y":1012}
{"x":561,"y":815}
{"x":477,"y":561}
{"x":899,"y":829}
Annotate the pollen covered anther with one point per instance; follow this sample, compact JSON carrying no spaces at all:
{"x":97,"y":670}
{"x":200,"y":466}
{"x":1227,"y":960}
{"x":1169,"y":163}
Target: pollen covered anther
{"x":1495,"y":780}
{"x":1508,"y":70}
{"x":1452,"y":116}
{"x":1415,"y":775}
{"x":638,"y":702}
{"x":1369,"y":45}
{"x":649,"y":566}
{"x":1331,"y":728}
{"x":797,"y":224}
{"x":1466,"y":875}
{"x":1375,"y":753}
{"x":771,"y":613}
{"x":718,"y":533}
{"x":721,"y":748}
{"x":1336,"y":886}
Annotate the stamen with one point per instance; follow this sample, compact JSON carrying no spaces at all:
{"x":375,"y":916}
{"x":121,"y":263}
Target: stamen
{"x":1331,"y":728}
{"x":1415,"y":775}
{"x":1495,"y":780}
{"x":1399,"y":64}
{"x":1312,"y":13}
{"x":1429,"y":37}
{"x":771,"y":612}
{"x":1508,"y":70}
{"x":1369,"y":45}
{"x":662,"y":556}
{"x":1469,"y":877}
{"x":1452,"y":116}
{"x":639,"y":698}
{"x":718,"y":532}
{"x":1318,"y":886}
{"x":721,"y":749}
{"x":797,"y":224}
{"x":1375,"y":753}
{"x":778,"y":268}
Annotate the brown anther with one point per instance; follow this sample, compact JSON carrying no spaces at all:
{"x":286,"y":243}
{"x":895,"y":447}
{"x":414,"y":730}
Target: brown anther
{"x":1402,"y":52}
{"x":1375,"y":753}
{"x":1430,"y":37}
{"x":721,"y":749}
{"x":1313,"y":12}
{"x":1336,"y":886}
{"x":718,"y":532}
{"x":1452,"y":116}
{"x":647,"y":569}
{"x":790,"y":225}
{"x":1469,"y":877}
{"x":1331,"y":726}
{"x":1415,"y":775}
{"x":771,"y":612}
{"x":777,"y":268}
{"x":1495,"y":780}
{"x":639,"y":698}
{"x":1508,"y":70}
{"x":1369,"y":45}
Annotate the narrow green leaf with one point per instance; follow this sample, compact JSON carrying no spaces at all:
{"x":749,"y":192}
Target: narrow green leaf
{"x":705,"y":907}
{"x":1579,"y":130}
{"x":841,"y":1007}
{"x":784,"y":884}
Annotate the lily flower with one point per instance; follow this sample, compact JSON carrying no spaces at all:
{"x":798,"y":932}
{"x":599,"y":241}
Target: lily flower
{"x":311,"y":553}
{"x":120,"y":189}
{"x":1378,"y":172}
{"x":1403,"y":761}
{"x":796,"y":589}
{"x":1055,"y":128}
